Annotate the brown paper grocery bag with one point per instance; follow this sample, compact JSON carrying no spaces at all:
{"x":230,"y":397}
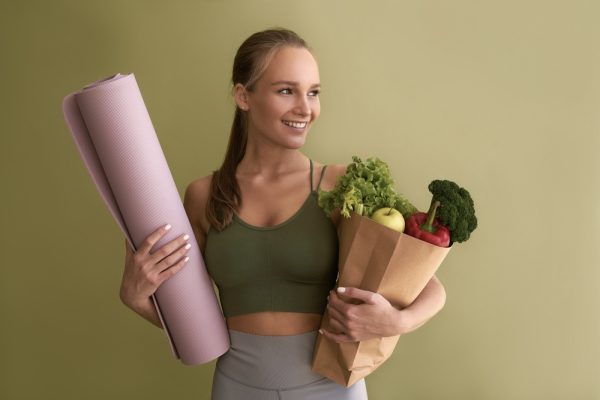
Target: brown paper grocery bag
{"x":376,"y":258}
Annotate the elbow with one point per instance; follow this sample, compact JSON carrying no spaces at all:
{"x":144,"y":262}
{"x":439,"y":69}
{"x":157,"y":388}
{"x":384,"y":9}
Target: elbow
{"x":441,"y":293}
{"x":442,"y":299}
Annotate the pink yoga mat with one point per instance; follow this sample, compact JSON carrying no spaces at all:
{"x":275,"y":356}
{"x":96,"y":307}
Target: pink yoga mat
{"x":117,"y":142}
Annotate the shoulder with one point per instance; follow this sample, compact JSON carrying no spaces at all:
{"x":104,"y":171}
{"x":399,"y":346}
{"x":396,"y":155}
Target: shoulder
{"x":195,"y":201}
{"x":332,"y":173}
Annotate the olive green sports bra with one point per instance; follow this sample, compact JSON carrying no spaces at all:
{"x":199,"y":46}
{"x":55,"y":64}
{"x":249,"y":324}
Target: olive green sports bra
{"x":291,"y":266}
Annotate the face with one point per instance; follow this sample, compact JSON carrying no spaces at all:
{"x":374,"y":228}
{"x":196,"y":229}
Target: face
{"x":284,"y":102}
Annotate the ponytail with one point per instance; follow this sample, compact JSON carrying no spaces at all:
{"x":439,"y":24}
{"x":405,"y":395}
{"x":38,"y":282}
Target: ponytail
{"x":225,"y":194}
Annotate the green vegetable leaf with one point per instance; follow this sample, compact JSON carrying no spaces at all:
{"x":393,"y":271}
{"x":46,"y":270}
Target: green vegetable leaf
{"x":366,"y":187}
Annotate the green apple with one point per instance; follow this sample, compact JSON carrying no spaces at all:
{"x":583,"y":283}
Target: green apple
{"x":389,"y":217}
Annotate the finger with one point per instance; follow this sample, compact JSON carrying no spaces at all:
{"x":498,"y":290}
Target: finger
{"x":128,"y":247}
{"x":173,"y":258}
{"x":338,"y":303}
{"x":338,"y":338}
{"x":335,"y":313}
{"x":336,"y":326}
{"x":169,"y":248}
{"x":360,"y":294}
{"x":152,"y":238}
{"x":169,"y":272}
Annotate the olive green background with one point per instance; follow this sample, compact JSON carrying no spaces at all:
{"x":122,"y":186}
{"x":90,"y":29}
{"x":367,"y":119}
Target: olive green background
{"x":503,"y":97}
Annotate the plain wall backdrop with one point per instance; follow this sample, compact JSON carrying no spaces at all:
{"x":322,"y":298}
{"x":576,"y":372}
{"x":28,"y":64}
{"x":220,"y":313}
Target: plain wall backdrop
{"x":502,"y":97}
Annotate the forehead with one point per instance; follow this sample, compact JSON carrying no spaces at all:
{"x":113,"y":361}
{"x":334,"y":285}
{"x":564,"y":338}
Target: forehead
{"x":292,"y":64}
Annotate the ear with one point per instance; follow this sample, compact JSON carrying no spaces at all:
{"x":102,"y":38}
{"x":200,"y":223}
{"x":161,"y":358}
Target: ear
{"x":240,"y":95}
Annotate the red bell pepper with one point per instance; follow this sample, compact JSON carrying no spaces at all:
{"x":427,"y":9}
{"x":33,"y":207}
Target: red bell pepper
{"x":424,"y":226}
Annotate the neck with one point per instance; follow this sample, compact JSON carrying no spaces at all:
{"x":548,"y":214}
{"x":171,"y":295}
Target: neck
{"x":270,"y":161}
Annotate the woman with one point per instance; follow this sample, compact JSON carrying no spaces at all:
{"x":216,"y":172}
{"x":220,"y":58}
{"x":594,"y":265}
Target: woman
{"x":268,"y":246}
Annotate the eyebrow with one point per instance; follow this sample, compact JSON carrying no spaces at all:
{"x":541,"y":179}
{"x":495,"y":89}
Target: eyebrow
{"x":292,"y":83}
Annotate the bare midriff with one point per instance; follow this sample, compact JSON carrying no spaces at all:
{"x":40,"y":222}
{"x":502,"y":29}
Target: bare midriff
{"x":275,"y":323}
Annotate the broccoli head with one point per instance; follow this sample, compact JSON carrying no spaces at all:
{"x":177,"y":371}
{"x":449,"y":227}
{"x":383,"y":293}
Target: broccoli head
{"x":457,"y":211}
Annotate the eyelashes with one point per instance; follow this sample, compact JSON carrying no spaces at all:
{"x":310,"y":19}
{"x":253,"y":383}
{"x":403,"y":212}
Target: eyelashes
{"x":316,"y":92}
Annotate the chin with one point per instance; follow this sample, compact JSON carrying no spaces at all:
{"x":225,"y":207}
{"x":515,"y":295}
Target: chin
{"x":295,"y":144}
{"x":294,"y":139}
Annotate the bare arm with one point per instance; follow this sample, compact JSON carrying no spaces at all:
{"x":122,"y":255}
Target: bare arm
{"x":375,"y":316}
{"x":147,"y":311}
{"x":429,"y":302}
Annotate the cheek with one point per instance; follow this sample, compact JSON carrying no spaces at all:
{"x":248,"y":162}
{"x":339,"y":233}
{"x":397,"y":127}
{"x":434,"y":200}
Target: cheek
{"x":316,"y":109}
{"x":275,"y":109}
{"x":265,"y":114}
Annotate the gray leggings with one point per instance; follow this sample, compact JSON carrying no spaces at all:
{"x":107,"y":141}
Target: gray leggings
{"x":260,"y":367}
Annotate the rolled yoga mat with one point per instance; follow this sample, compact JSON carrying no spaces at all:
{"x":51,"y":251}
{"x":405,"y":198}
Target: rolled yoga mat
{"x":117,"y":142}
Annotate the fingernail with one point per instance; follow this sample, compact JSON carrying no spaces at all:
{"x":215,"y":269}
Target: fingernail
{"x":341,"y":289}
{"x":167,"y":227}
{"x":186,"y":237}
{"x":321,"y":331}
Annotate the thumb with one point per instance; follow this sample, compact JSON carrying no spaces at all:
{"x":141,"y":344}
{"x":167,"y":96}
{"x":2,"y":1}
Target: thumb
{"x":364,"y":295}
{"x":128,"y":247}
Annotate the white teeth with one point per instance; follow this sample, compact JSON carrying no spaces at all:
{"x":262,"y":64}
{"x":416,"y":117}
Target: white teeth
{"x":295,"y":124}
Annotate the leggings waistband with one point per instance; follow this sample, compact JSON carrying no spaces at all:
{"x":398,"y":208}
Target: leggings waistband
{"x":270,"y":362}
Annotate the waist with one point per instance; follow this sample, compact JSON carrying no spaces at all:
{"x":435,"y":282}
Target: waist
{"x":270,"y":362}
{"x":275,"y":323}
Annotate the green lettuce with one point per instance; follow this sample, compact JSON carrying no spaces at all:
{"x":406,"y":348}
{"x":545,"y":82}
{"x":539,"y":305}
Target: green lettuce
{"x":366,"y":187}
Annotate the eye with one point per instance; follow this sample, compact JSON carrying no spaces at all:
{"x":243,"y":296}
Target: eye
{"x":313,"y":93}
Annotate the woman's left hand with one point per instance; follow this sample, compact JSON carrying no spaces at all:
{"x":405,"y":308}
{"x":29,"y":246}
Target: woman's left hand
{"x":373,"y":317}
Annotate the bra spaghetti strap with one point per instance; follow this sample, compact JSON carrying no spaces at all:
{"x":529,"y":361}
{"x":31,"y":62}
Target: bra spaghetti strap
{"x":311,"y":174}
{"x":321,"y":178}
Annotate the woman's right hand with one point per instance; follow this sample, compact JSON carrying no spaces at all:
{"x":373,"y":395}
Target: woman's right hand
{"x":145,"y":272}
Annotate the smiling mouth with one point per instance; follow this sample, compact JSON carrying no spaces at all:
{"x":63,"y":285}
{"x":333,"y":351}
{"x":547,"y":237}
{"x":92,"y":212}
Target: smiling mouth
{"x":294,"y":124}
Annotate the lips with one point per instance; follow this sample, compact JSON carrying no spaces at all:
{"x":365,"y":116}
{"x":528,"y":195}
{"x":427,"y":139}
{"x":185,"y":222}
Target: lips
{"x":296,"y":124}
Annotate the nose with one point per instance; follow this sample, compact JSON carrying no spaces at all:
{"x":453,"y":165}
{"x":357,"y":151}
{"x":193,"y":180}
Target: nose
{"x":302,"y":107}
